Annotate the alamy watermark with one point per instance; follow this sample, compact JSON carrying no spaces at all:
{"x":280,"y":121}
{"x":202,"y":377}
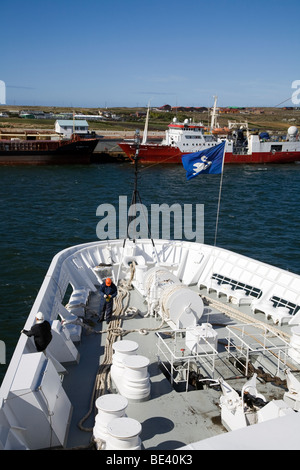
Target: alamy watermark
{"x":178,"y":221}
{"x":2,"y":352}
{"x":296,"y":93}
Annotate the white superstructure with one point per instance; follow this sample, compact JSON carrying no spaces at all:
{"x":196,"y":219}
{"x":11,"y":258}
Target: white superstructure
{"x":188,"y":136}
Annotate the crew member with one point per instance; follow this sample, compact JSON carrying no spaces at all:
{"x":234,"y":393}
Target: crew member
{"x":41,"y":332}
{"x":109,"y":291}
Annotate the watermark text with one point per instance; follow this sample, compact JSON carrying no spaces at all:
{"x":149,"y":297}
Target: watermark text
{"x":296,"y":93}
{"x":178,"y":221}
{"x":2,"y":352}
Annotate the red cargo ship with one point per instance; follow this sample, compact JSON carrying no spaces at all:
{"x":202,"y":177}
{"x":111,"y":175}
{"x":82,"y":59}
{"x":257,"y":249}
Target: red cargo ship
{"x":241,"y":146}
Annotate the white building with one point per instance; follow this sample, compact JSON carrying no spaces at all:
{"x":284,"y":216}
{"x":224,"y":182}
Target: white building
{"x":67,"y":127}
{"x":2,"y":92}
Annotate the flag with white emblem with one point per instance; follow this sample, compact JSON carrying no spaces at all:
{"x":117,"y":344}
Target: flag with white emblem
{"x":209,"y":161}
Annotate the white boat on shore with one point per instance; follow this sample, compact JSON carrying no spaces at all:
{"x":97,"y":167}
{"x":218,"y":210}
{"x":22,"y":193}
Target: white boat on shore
{"x":203,"y":352}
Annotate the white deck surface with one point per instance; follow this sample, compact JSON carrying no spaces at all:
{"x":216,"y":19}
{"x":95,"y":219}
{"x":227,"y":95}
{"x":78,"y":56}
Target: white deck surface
{"x":169,"y":419}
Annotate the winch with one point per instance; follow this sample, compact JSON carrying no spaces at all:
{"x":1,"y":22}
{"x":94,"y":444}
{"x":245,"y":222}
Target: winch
{"x":176,"y":303}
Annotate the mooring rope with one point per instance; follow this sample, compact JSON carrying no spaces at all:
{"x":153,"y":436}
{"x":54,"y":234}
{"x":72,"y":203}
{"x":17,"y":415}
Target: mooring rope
{"x":102,"y":382}
{"x":114,"y":331}
{"x":243,"y":317}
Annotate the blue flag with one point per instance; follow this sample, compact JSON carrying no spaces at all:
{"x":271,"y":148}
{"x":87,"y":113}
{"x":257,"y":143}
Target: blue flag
{"x":204,"y":162}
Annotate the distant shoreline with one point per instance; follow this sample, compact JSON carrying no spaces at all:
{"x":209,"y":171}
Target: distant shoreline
{"x":127,"y":120}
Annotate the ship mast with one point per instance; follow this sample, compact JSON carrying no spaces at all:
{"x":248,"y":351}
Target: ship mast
{"x":136,"y":198}
{"x":145,"y":134}
{"x":213,"y":116}
{"x":135,"y":194}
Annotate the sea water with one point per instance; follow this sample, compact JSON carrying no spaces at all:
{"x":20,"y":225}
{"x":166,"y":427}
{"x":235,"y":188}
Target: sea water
{"x":46,"y":209}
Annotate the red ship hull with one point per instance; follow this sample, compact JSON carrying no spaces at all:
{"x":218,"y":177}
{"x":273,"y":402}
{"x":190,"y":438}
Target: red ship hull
{"x":156,"y":153}
{"x":263,"y":157}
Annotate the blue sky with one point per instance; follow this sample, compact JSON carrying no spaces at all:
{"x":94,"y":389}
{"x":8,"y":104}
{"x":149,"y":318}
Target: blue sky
{"x":98,"y":53}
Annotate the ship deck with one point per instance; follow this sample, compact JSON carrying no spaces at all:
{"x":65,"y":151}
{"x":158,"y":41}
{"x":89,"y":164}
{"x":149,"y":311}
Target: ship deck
{"x":173,"y":416}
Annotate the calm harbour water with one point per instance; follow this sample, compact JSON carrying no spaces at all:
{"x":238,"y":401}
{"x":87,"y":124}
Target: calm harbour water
{"x":46,"y":209}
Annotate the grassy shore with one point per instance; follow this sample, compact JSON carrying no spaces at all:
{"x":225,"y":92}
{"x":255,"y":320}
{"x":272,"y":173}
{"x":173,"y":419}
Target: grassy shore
{"x":269,"y":119}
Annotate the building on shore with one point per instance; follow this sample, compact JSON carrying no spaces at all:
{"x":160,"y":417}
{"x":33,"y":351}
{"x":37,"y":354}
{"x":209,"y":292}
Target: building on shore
{"x":67,"y":127}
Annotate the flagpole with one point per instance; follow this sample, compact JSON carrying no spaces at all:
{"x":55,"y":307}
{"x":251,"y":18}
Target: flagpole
{"x":217,"y":219}
{"x":219,"y":200}
{"x":202,"y":162}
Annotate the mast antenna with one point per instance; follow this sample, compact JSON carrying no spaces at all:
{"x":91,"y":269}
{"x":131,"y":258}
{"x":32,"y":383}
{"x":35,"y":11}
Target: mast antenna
{"x":213,"y":116}
{"x":136,"y":198}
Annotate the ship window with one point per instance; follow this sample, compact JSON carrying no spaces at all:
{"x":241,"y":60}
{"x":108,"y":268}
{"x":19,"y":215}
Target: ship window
{"x":250,"y":290}
{"x":67,"y":295}
{"x":276,"y":148}
{"x":278,"y":302}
